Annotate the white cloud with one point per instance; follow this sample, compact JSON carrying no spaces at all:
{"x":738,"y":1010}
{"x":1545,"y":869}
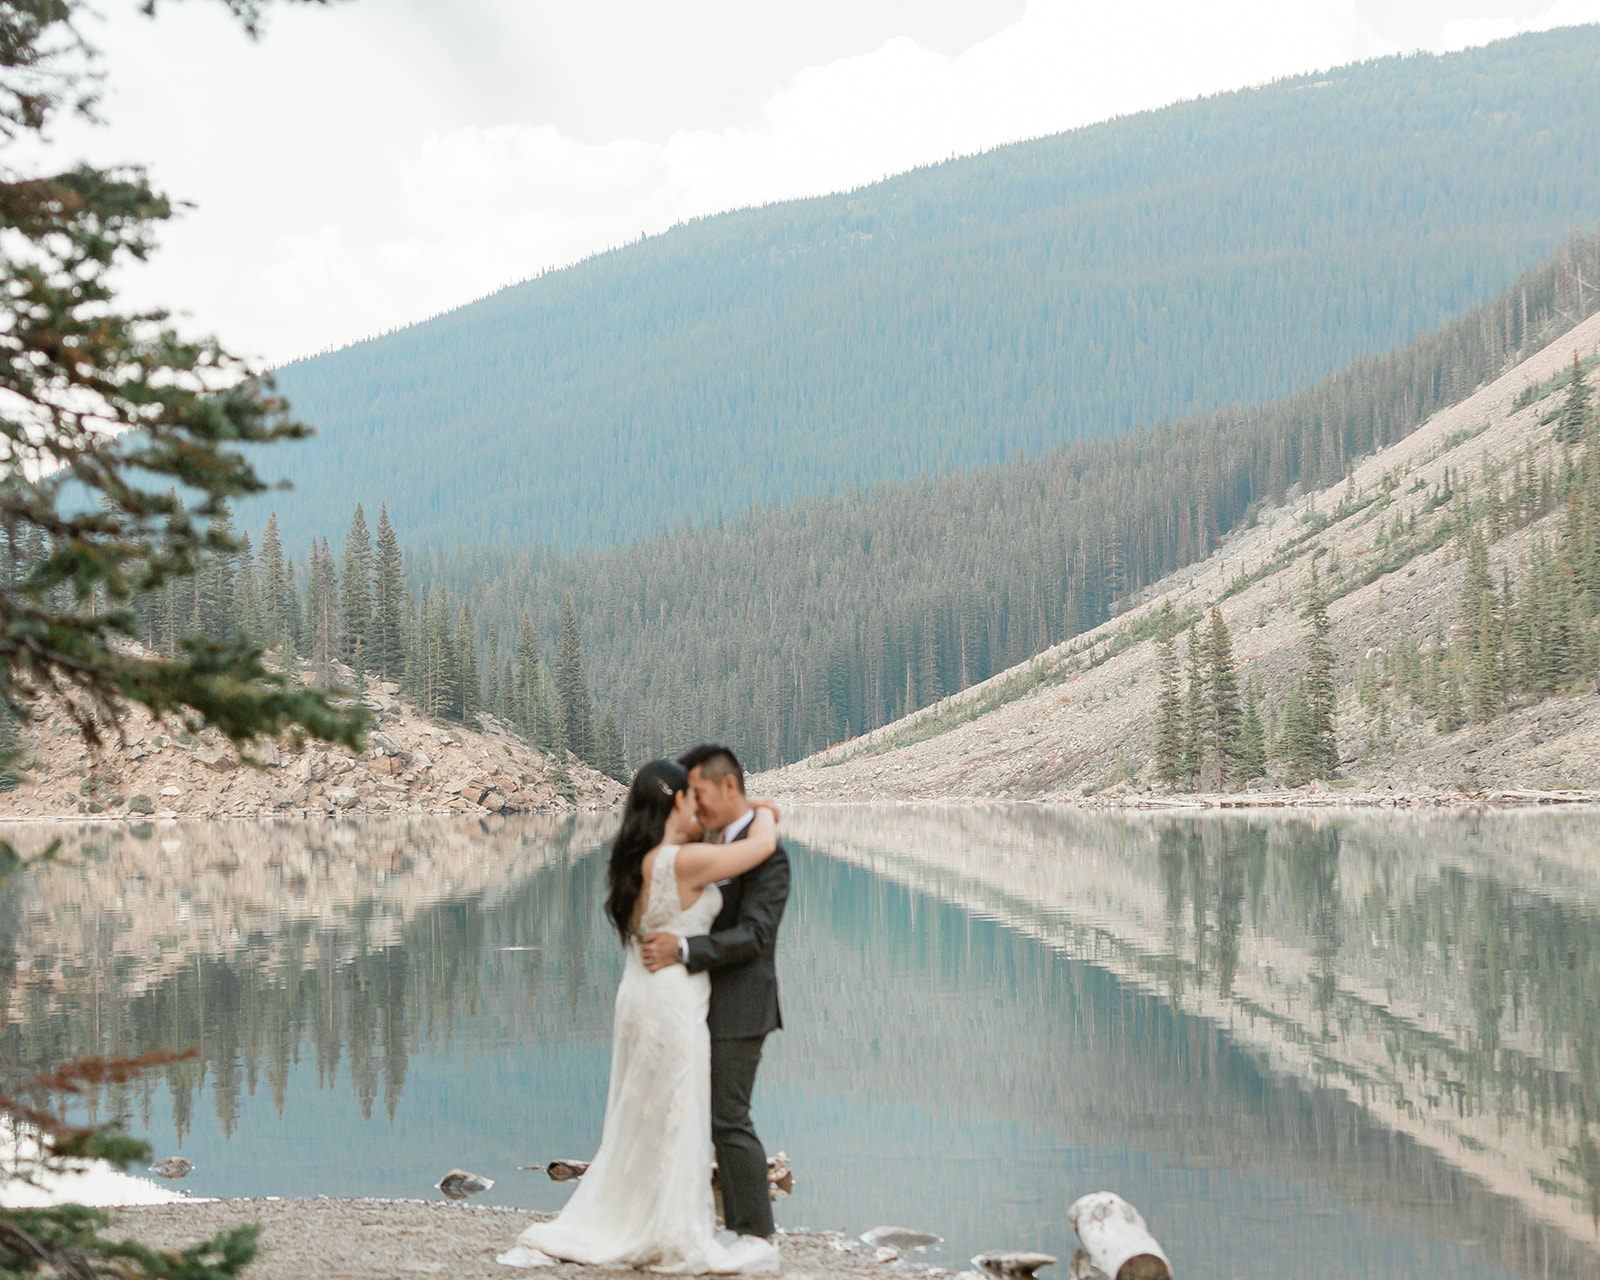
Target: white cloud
{"x":409,"y":219}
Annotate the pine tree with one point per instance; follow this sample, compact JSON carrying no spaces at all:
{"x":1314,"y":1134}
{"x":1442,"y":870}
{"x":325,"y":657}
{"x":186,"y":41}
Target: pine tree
{"x":214,"y":601}
{"x":1481,"y":630}
{"x":1298,"y":739}
{"x":491,"y":673}
{"x":440,"y":657}
{"x":1476,"y":587}
{"x":274,"y":589}
{"x":298,"y":643}
{"x":246,"y":606}
{"x":1252,"y":734}
{"x":1573,"y":421}
{"x":533,"y":695}
{"x":469,"y":692}
{"x":1486,"y":693}
{"x":609,"y":756}
{"x":388,"y":655}
{"x":355,"y":590}
{"x":1169,"y":704}
{"x":322,"y":614}
{"x":574,"y":715}
{"x":1192,"y":759}
{"x":1315,"y":750}
{"x":1222,"y":710}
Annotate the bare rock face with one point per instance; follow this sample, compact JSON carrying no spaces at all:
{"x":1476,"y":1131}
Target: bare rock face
{"x":471,"y":792}
{"x":196,"y":776}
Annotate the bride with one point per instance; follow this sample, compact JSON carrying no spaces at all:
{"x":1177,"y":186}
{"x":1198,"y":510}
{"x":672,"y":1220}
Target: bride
{"x":646,"y":1198}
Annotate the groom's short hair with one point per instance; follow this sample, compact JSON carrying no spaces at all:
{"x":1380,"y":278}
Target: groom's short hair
{"x":714,"y":762}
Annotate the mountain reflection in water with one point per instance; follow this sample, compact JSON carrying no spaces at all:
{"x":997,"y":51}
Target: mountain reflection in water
{"x":1360,"y":1046}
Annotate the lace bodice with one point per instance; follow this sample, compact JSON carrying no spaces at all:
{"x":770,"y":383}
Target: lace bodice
{"x":662,"y":912}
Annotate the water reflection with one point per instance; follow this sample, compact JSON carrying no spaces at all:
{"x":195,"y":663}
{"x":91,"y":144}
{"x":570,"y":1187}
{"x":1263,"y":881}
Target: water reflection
{"x":1364,"y":1046}
{"x":351,"y":942}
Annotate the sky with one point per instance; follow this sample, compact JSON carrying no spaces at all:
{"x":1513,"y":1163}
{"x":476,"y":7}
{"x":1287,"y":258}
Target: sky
{"x":366,"y":165}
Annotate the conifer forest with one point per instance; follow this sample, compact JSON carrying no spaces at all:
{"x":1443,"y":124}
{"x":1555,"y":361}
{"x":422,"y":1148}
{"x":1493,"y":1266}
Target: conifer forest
{"x":794,"y":627}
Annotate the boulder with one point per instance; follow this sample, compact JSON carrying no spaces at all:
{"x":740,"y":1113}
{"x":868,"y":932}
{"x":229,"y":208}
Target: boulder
{"x":267,"y":752}
{"x":171,"y":792}
{"x":382,"y":742}
{"x":344,"y":797}
{"x":470,"y":791}
{"x":493,"y":800}
{"x":218,"y":761}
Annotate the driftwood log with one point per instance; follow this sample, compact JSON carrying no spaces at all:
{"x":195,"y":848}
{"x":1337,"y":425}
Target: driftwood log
{"x":1116,"y":1241}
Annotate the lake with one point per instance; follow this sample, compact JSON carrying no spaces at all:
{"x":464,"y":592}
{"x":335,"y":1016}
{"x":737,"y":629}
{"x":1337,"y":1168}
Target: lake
{"x":1341,"y":1046}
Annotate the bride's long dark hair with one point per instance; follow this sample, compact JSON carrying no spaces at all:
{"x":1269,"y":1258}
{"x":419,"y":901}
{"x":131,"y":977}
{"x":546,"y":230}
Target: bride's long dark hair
{"x":644,"y":821}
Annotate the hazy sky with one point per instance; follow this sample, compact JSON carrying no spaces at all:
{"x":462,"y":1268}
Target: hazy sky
{"x":365,"y":166}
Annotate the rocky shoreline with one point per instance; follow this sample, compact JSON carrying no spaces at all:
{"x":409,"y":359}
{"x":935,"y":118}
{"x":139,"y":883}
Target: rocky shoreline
{"x":157,"y":770}
{"x":366,"y":1239}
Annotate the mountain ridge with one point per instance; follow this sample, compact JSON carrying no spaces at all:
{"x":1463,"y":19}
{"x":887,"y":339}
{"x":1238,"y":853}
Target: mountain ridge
{"x":962,"y":313}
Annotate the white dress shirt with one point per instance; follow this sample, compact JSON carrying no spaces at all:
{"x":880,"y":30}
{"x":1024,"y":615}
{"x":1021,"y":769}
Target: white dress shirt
{"x":728,"y":835}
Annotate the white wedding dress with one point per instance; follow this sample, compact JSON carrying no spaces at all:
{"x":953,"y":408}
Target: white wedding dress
{"x":646,"y":1201}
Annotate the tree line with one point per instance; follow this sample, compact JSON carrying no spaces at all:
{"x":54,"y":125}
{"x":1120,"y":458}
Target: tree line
{"x":357,"y":616}
{"x":1529,"y":631}
{"x":795,"y":627}
{"x":792,"y":628}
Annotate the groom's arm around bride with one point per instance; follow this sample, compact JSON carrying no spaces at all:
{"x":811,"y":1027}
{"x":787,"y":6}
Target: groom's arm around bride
{"x":739,"y":953}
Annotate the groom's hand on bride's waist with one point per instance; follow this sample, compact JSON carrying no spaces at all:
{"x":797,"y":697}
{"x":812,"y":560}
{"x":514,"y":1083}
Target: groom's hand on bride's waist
{"x":660,"y":950}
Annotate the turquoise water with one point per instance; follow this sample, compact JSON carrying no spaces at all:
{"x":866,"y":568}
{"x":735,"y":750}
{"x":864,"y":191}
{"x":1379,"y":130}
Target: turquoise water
{"x":1365,"y":1047}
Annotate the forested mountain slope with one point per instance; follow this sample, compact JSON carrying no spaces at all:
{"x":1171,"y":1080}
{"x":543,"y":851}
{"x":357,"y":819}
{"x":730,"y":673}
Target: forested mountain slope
{"x":1224,"y":251}
{"x":798,"y":626}
{"x":1459,"y":570}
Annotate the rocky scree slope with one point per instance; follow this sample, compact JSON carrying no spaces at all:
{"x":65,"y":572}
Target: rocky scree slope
{"x":410,"y":766}
{"x":1077,"y":723}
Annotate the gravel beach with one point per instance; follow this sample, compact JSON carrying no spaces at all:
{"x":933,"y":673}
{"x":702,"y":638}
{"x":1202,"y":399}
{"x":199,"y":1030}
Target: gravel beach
{"x":380,"y":1239}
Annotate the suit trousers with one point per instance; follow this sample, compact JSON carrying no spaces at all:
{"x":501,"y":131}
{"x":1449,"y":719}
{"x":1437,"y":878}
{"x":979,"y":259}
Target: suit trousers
{"x":741,"y":1160}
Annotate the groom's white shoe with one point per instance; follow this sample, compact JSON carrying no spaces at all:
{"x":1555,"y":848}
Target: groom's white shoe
{"x":755,"y":1256}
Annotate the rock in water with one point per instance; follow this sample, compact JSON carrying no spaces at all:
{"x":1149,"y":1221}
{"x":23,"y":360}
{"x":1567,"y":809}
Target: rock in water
{"x":172,"y":1167}
{"x":559,"y":1170}
{"x":1116,"y":1239}
{"x":1012,"y":1264}
{"x":780,"y":1177}
{"x":898,"y":1238}
{"x":458,"y":1184}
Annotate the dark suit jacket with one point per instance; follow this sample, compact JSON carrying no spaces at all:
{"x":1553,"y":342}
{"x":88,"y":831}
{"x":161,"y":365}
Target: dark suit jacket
{"x":739,"y":952}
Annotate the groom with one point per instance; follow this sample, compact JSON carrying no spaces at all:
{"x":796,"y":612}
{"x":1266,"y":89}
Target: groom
{"x":744,"y":987}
